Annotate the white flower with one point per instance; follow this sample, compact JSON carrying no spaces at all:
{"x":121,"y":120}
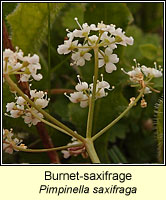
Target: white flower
{"x":122,"y":38}
{"x":151,"y":71}
{"x":92,"y":40}
{"x":22,"y":109}
{"x":147,"y":91}
{"x":37,"y":94}
{"x":24,"y":77}
{"x":66,"y":154}
{"x":40,"y":98}
{"x":67,"y":47}
{"x":80,"y":57}
{"x":84,"y":102}
{"x":8,"y":148}
{"x":102,"y":27}
{"x":85,"y":92}
{"x":135,"y":74}
{"x":108,"y":41}
{"x":30,"y":119}
{"x":84,"y":32}
{"x":108,"y":59}
{"x":20,"y":101}
{"x":7,"y":53}
{"x":42,"y":103}
{"x":8,"y":142}
{"x":76,"y":97}
{"x":16,"y":62}
{"x":10,"y":106}
{"x":32,"y":59}
{"x":81,"y":86}
{"x":103,"y":84}
{"x":16,"y":113}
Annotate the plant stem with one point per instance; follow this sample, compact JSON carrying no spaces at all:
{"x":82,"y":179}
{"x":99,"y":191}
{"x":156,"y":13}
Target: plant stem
{"x":49,"y":53}
{"x":92,"y":99}
{"x":91,"y":151}
{"x":118,"y":118}
{"x":48,"y":116}
{"x":49,"y":124}
{"x":42,"y":150}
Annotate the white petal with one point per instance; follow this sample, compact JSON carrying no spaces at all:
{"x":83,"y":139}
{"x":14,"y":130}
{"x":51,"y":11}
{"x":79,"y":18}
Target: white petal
{"x":10,"y":106}
{"x":87,"y":56}
{"x":108,"y":51}
{"x":37,"y":77}
{"x":75,"y":56}
{"x":101,"y":62}
{"x":83,"y":104}
{"x":81,"y":61}
{"x":110,"y":67}
{"x":20,"y":101}
{"x":113,"y":58}
{"x":129,"y":40}
{"x":66,"y":154}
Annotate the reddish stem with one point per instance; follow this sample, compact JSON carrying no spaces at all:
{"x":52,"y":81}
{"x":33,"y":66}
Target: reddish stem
{"x":61,"y":91}
{"x":46,"y":139}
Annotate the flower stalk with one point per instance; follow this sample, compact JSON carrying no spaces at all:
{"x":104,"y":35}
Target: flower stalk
{"x":92,"y":99}
{"x":119,"y":117}
{"x":55,"y":121}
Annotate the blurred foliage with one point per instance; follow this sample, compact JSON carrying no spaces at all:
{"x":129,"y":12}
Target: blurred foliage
{"x":159,"y":120}
{"x":132,"y":139}
{"x":28,"y":33}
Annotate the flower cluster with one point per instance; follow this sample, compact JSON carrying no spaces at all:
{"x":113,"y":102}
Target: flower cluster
{"x":106,"y":37}
{"x":84,"y":92}
{"x":141,"y":76}
{"x":21,"y":108}
{"x":9,"y":143}
{"x":25,"y":66}
{"x":74,"y":151}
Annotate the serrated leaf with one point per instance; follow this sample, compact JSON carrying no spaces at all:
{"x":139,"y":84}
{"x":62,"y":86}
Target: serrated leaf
{"x":29,"y":24}
{"x":149,"y":51}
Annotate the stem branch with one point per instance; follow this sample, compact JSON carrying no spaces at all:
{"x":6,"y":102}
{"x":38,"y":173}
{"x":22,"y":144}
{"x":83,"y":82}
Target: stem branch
{"x":48,"y":116}
{"x":91,"y":151}
{"x":92,"y":98}
{"x":118,"y":118}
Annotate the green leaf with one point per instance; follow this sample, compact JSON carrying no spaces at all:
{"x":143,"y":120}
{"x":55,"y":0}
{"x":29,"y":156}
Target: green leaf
{"x":8,"y":8}
{"x":140,"y":38}
{"x":109,"y":13}
{"x":76,"y":10}
{"x":118,"y":131}
{"x":29,"y":24}
{"x":78,"y":116}
{"x":149,"y":51}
